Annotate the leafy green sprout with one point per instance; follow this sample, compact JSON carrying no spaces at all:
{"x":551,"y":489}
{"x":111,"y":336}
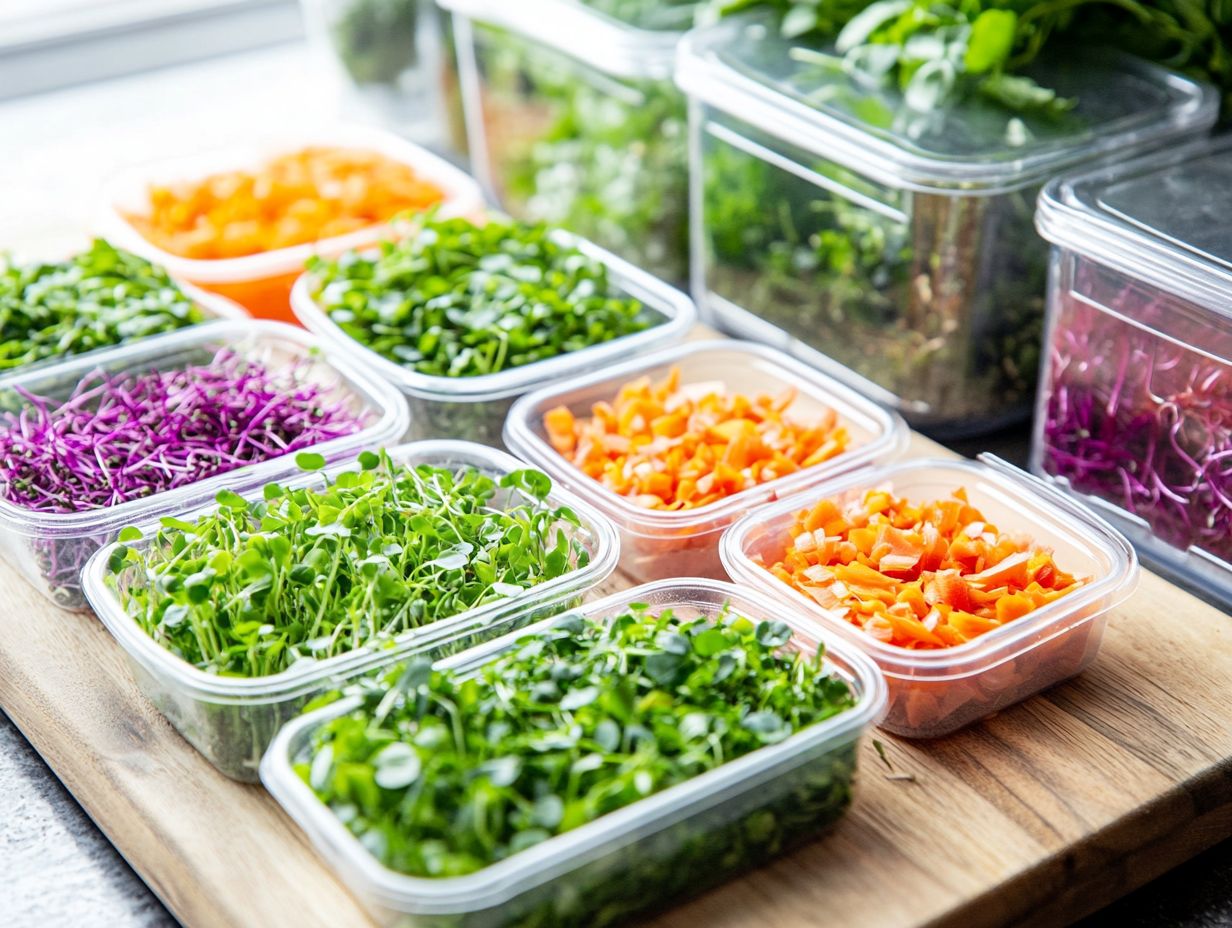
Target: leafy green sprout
{"x":302,"y":574}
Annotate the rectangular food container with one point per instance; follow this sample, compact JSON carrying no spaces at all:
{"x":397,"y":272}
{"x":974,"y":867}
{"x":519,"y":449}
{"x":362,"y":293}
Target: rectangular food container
{"x":678,"y":842}
{"x":890,"y":248}
{"x":474,"y":408}
{"x":262,"y":282}
{"x":935,"y":692}
{"x":662,"y":543}
{"x":1135,"y":407}
{"x":50,"y":548}
{"x":572,"y":118}
{"x":231,"y":720}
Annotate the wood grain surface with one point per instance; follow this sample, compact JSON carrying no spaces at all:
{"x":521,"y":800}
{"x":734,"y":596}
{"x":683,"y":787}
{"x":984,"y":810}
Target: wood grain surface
{"x":1035,"y":817}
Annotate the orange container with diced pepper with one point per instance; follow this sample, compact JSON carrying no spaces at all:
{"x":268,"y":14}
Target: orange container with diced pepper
{"x":972,"y":584}
{"x":675,"y":446}
{"x":242,"y":222}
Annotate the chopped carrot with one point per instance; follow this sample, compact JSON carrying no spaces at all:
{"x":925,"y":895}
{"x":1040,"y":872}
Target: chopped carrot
{"x":929,"y":575}
{"x":296,"y":198}
{"x":679,"y":446}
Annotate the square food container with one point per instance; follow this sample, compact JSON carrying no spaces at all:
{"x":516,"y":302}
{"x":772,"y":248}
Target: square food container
{"x":231,"y":720}
{"x":1135,"y":407}
{"x":891,"y":248}
{"x":656,"y":544}
{"x":678,"y":842}
{"x":262,"y":282}
{"x":50,"y":548}
{"x":936,"y":692}
{"x":572,"y":118}
{"x":474,"y":408}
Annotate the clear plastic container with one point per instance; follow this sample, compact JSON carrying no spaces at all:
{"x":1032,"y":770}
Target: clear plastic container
{"x":897,"y":251}
{"x":656,"y":544}
{"x":572,"y":118}
{"x":49,"y":548}
{"x":474,"y":408}
{"x":231,"y":720}
{"x":936,"y":692}
{"x":387,"y":60}
{"x":213,"y":307}
{"x":1135,"y":408}
{"x":262,"y":282}
{"x":678,"y":842}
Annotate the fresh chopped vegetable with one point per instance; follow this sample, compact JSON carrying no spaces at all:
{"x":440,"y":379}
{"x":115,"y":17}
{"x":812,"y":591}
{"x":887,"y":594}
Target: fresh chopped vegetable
{"x":917,"y":575}
{"x":674,"y":446}
{"x":121,"y":437}
{"x":601,"y":155}
{"x":303,"y":574}
{"x":441,"y":773}
{"x":292,"y":199}
{"x":96,"y":299}
{"x":1140,"y":419}
{"x":456,"y":299}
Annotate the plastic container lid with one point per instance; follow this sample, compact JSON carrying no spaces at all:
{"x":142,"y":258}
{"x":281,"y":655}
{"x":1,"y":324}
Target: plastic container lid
{"x":1163,"y":218}
{"x":744,"y":67}
{"x":620,"y":48}
{"x":554,"y":859}
{"x":676,"y":309}
{"x":128,"y":192}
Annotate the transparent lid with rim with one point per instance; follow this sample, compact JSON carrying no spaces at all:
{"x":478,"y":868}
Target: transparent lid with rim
{"x":743,"y":67}
{"x":1162,"y":218}
{"x":625,"y":38}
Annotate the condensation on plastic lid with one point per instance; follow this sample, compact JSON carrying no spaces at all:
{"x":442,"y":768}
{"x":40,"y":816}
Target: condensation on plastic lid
{"x":128,"y":192}
{"x":566,"y":26}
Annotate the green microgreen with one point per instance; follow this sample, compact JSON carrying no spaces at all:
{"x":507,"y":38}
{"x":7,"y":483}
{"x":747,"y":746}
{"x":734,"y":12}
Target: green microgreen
{"x":443,"y":772}
{"x":95,"y":299}
{"x":455,"y":299}
{"x":303,"y":574}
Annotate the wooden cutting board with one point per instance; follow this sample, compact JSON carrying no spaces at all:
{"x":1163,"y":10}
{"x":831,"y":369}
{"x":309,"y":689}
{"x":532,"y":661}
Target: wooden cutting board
{"x":1036,"y":817}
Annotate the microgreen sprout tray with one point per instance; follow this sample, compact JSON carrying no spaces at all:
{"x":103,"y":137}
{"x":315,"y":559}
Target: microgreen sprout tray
{"x":936,"y":692}
{"x":262,"y":281}
{"x":475,"y":407}
{"x":675,"y":842}
{"x":666,"y":543}
{"x":49,"y":548}
{"x":231,"y":719}
{"x":1134,"y":412}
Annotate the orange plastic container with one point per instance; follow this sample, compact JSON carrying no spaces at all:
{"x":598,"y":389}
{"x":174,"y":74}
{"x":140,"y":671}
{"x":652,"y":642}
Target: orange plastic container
{"x":262,"y":282}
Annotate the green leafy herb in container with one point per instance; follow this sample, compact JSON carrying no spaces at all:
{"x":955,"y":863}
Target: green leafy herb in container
{"x":253,"y":595}
{"x":464,"y":317}
{"x":99,"y":298}
{"x":581,"y":126}
{"x":460,"y":769}
{"x":862,"y":209}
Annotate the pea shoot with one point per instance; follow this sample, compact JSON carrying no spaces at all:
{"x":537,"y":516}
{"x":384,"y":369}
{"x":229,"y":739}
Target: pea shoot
{"x":303,"y":574}
{"x":455,"y":299}
{"x":443,"y":772}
